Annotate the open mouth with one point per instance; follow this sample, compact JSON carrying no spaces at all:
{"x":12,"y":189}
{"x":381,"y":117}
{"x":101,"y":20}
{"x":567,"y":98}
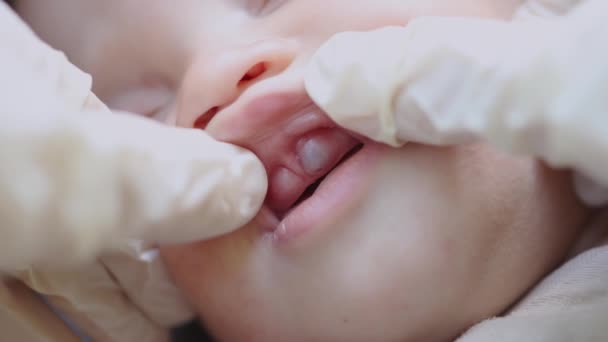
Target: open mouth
{"x":297,"y":143}
{"x":311,"y":188}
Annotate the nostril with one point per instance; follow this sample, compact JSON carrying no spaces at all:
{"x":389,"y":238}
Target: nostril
{"x":253,"y":73}
{"x":202,"y":121}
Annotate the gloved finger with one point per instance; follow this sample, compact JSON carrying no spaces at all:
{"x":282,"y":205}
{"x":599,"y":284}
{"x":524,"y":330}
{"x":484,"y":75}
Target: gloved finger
{"x":351,"y":78}
{"x":412,"y":83}
{"x":545,"y":8}
{"x":173,"y":184}
{"x":74,"y":185}
{"x":458,"y":80}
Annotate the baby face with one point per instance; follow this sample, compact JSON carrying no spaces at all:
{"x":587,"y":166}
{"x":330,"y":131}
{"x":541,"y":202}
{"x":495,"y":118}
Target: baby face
{"x":410,"y":244}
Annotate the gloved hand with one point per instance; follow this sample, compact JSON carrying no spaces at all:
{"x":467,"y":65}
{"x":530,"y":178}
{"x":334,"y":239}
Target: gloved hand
{"x":77,"y":180}
{"x":536,"y":85}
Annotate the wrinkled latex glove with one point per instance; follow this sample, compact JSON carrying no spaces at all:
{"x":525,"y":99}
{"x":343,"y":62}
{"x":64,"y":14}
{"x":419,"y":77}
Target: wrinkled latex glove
{"x":536,"y":85}
{"x":77,"y":180}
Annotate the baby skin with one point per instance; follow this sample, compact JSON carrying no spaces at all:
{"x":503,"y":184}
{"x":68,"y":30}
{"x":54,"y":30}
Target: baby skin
{"x":356,"y":241}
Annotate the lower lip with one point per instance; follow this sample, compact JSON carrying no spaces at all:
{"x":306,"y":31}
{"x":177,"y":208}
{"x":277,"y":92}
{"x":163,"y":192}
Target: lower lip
{"x":340,"y":190}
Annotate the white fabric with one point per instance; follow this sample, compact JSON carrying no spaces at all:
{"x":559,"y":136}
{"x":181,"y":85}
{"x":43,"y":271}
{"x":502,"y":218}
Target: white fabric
{"x":535,"y":85}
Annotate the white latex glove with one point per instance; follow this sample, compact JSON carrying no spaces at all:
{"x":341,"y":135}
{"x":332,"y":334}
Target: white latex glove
{"x":77,"y":180}
{"x":535,"y":86}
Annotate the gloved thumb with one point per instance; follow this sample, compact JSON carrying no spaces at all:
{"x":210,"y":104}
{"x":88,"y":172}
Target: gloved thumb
{"x":74,"y":185}
{"x":173,"y":184}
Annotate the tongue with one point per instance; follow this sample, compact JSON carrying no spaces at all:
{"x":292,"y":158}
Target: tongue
{"x":316,"y":154}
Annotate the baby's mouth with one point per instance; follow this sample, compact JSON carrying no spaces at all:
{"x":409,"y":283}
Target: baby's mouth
{"x":297,"y":143}
{"x":309,"y":191}
{"x":317,"y":154}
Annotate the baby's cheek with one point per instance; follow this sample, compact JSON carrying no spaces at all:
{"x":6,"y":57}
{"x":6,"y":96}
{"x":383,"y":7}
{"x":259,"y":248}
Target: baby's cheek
{"x":429,"y":229}
{"x":196,"y":266}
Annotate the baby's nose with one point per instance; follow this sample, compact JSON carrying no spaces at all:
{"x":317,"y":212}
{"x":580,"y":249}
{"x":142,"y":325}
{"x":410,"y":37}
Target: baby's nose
{"x":216,"y":79}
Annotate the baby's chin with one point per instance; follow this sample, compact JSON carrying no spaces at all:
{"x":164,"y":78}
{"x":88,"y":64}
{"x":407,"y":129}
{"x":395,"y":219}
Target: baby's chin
{"x":427,"y":253}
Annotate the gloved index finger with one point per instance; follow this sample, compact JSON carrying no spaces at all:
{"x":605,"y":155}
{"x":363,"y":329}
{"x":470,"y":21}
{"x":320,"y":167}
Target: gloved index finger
{"x":104,"y":178}
{"x":351,"y":78}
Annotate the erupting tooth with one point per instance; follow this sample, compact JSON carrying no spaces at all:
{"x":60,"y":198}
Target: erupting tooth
{"x":322,"y":149}
{"x":317,"y":153}
{"x":313,"y":156}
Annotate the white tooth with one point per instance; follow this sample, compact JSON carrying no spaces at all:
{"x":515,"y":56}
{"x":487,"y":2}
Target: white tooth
{"x":313,"y":155}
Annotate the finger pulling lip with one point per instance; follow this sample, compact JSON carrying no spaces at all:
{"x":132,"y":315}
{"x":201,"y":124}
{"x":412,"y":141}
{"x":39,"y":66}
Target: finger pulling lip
{"x":299,"y":146}
{"x":297,"y":143}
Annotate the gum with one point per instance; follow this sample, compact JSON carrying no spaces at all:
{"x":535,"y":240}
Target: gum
{"x":313,"y":155}
{"x":287,"y":134}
